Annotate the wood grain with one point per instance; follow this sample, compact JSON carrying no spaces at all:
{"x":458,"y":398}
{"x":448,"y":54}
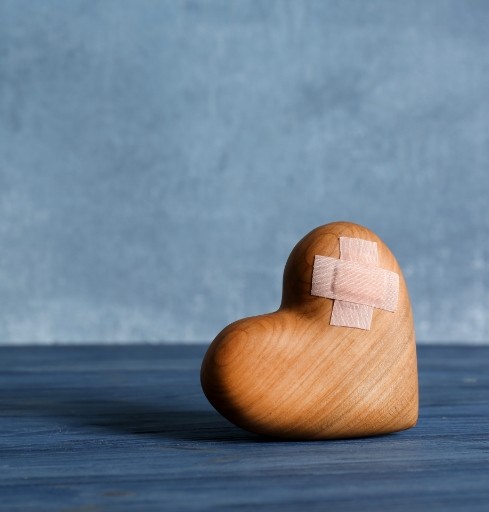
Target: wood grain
{"x":290,"y":374}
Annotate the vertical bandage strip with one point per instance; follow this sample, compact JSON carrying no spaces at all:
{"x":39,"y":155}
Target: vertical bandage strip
{"x":351,"y":314}
{"x":355,"y":282}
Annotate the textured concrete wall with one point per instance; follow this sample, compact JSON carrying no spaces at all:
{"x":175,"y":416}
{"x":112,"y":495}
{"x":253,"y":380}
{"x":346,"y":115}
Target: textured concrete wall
{"x":159,"y":159}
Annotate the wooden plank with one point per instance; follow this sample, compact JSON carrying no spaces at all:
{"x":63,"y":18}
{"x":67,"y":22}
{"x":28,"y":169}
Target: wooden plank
{"x":127,"y":428}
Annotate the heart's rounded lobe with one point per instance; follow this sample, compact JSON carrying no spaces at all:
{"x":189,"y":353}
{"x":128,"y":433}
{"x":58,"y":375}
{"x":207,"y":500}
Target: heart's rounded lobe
{"x":290,"y":374}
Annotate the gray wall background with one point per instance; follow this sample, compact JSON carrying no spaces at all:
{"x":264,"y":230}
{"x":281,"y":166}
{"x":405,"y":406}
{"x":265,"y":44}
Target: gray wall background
{"x":159,"y":159}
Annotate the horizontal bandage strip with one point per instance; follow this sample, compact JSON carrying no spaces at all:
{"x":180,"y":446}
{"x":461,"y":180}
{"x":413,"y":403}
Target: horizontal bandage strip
{"x":355,"y":282}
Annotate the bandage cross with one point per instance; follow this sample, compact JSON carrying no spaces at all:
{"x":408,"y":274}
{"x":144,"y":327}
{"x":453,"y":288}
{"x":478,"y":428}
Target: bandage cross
{"x":355,"y":283}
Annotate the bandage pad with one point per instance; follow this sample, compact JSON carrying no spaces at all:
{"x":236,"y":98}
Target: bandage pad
{"x":355,"y":283}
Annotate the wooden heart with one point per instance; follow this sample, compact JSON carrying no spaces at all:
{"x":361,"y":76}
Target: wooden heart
{"x":290,"y":374}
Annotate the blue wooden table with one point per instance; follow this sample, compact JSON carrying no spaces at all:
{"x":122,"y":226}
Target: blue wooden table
{"x":127,"y":428}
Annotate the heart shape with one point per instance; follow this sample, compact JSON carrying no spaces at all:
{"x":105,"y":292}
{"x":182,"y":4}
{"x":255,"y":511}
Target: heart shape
{"x":290,"y":374}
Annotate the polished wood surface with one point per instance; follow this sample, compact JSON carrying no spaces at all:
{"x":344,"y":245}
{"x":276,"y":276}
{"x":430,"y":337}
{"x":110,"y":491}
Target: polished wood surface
{"x":290,"y":374}
{"x":127,"y":428}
